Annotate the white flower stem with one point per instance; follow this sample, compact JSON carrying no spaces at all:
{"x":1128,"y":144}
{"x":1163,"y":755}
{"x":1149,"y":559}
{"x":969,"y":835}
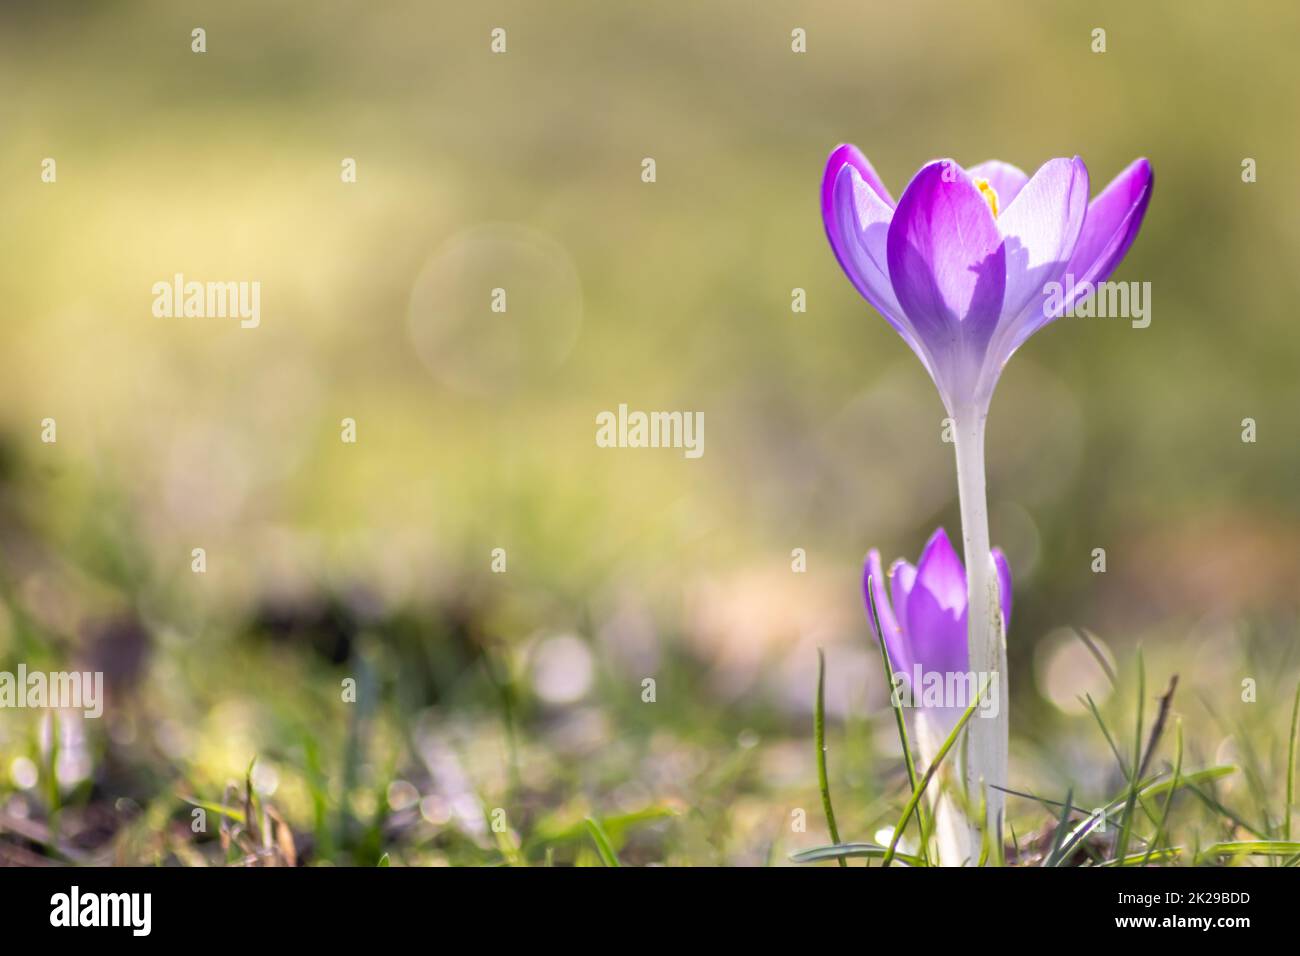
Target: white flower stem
{"x":986,"y":763}
{"x":952,"y":832}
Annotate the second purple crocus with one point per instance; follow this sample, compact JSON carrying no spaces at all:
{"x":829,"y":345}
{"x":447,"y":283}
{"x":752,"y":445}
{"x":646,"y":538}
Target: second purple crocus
{"x":923,"y":608}
{"x":923,"y":623}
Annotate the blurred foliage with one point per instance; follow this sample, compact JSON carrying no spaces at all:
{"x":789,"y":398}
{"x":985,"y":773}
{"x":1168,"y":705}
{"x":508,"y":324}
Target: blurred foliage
{"x":371,"y":562}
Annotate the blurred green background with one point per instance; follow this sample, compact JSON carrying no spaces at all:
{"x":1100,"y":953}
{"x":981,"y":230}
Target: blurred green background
{"x":475,"y":430}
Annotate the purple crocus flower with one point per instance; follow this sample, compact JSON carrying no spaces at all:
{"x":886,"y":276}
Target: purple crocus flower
{"x":965,"y":267}
{"x":959,"y":264}
{"x":924,"y":620}
{"x":923,"y":614}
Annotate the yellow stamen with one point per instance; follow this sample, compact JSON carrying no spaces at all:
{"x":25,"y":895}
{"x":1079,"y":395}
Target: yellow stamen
{"x":990,"y":195}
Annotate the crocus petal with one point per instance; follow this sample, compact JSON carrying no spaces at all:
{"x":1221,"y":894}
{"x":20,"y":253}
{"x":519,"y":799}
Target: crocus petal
{"x":1041,"y":228}
{"x":936,"y":609}
{"x":1006,"y":180}
{"x":936,"y":635}
{"x":1004,"y":585}
{"x":873,"y":588}
{"x":948,"y":268}
{"x":857,"y":225}
{"x":1114,"y":218}
{"x":941,"y":572}
{"x":902,"y":577}
{"x":1111,"y":225}
{"x":847,"y":154}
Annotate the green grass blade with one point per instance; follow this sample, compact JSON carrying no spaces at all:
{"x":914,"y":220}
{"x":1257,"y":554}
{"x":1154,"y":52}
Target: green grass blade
{"x":217,"y":808}
{"x":1167,"y":855}
{"x":615,"y":825}
{"x":1081,"y":830}
{"x":1250,"y":848}
{"x":1086,"y":639}
{"x":1290,"y":761}
{"x":839,"y":851}
{"x":897,"y":707}
{"x":1037,"y":799}
{"x":985,"y":841}
{"x":1055,"y":856}
{"x":1223,"y":811}
{"x":1208,"y":775}
{"x":819,"y":734}
{"x":603,"y":846}
{"x":1105,"y":731}
{"x":1126,"y":820}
